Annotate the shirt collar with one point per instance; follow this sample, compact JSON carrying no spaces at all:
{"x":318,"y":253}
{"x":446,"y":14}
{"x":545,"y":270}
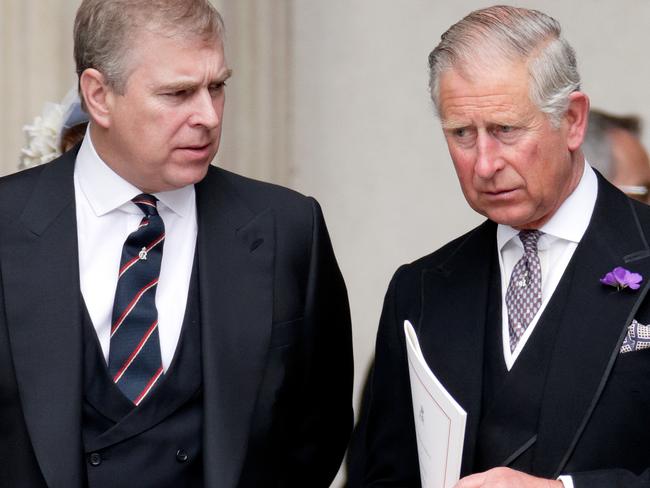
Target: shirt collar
{"x":106,"y":191}
{"x":571,"y":220}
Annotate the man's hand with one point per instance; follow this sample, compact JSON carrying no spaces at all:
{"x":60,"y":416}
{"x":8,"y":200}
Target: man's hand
{"x":506,"y":478}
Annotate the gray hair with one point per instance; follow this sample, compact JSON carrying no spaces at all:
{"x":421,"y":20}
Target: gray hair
{"x":511,"y":34}
{"x":597,"y":146}
{"x":105,"y":30}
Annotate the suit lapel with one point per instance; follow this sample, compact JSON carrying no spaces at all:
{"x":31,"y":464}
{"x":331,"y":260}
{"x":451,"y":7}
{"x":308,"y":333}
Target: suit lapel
{"x":236,"y":255}
{"x":452,"y":335}
{"x":41,"y":284}
{"x":592,"y":327}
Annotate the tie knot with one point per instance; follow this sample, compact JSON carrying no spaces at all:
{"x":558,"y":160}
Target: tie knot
{"x":529,"y":239}
{"x":147,"y":203}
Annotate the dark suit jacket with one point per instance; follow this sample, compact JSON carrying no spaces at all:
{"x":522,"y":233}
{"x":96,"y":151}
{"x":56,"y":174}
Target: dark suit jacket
{"x":277,"y":360}
{"x":594,"y":418}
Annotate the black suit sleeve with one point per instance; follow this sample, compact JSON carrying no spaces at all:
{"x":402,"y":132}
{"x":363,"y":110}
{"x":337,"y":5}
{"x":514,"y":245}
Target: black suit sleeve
{"x":611,"y":478}
{"x":18,"y":465}
{"x":385,"y":451}
{"x":322,"y":418}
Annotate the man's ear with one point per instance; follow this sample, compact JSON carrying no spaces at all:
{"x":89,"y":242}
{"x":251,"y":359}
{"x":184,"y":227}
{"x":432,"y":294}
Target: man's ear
{"x":576,"y":117}
{"x":97,"y":96}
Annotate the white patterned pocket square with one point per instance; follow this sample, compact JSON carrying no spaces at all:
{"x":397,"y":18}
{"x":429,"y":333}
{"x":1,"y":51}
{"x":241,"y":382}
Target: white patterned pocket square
{"x":637,"y":338}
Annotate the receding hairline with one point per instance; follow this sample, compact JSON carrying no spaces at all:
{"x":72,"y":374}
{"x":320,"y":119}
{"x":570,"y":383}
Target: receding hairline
{"x":161,"y":27}
{"x":105,"y":31}
{"x":515,"y":34}
{"x":483,"y":53}
{"x":477,"y":62}
{"x":141,"y":34}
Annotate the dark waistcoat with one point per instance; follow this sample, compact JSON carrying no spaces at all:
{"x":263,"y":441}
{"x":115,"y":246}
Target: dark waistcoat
{"x":159,"y":443}
{"x":512,"y":399}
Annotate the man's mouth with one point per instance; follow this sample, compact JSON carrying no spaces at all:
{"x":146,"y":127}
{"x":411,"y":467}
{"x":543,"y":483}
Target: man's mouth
{"x":499,"y":193}
{"x":197,"y":147}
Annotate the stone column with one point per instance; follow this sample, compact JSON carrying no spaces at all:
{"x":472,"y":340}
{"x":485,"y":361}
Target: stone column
{"x":257,"y":135}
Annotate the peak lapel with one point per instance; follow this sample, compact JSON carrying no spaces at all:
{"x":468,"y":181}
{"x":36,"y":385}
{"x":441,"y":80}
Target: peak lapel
{"x":236,"y":255}
{"x":41,"y":286}
{"x":453,"y":324}
{"x":592,"y":326}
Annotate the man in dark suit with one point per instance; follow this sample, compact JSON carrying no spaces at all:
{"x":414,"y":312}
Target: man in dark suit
{"x":165,"y":323}
{"x":521,"y":318}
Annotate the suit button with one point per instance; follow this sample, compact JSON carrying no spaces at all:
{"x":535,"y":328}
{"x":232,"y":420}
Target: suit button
{"x":181,"y":456}
{"x":95,"y":459}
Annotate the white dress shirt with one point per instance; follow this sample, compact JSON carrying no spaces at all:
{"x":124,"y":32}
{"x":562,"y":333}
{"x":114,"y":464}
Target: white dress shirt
{"x":561,"y":235}
{"x":105,"y":217}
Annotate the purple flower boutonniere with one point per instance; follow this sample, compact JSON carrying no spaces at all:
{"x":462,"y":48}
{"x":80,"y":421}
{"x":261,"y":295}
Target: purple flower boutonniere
{"x":621,"y":278}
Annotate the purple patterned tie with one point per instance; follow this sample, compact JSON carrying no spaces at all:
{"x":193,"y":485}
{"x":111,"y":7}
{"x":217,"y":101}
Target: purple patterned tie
{"x":524,"y":295}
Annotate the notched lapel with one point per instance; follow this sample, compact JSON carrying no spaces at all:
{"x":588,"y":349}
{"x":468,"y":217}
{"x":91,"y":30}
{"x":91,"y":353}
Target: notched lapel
{"x":41,"y":286}
{"x":236,"y":250}
{"x":452,"y":325}
{"x":592,"y":327}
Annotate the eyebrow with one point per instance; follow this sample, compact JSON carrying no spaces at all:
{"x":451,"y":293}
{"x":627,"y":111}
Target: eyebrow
{"x":225,"y":76}
{"x":190,"y":85}
{"x":453,"y":124}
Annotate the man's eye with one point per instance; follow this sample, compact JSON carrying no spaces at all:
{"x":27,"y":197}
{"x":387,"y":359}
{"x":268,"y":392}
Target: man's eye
{"x":505,"y":130}
{"x":460,"y":132}
{"x":217,"y":87}
{"x":177,"y":93}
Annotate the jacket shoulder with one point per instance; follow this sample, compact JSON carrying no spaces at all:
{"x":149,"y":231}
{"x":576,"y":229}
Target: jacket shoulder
{"x":20,"y":180}
{"x":440,"y":257}
{"x":16,"y":189}
{"x":259,"y":195}
{"x":258,"y":191}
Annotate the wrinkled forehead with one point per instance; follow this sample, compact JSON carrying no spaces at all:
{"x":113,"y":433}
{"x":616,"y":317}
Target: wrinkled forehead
{"x":148,"y":28}
{"x":485,"y":61}
{"x":499,"y":74}
{"x":151,"y":43}
{"x":499,"y":94}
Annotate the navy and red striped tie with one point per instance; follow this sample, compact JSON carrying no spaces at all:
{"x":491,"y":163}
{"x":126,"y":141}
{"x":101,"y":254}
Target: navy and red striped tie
{"x":134,"y":360}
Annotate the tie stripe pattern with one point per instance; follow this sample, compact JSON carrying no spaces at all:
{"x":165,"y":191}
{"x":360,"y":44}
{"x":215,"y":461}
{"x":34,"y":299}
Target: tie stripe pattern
{"x":134,"y":360}
{"x":524,"y":295}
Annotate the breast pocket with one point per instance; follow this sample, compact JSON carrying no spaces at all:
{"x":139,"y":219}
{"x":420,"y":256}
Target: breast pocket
{"x":633,"y":370}
{"x":620,"y":419}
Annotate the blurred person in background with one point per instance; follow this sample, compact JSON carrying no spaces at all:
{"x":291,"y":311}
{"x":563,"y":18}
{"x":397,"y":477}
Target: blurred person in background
{"x":613,"y":146}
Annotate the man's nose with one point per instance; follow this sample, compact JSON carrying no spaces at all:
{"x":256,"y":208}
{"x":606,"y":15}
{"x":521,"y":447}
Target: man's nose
{"x":205,"y":110}
{"x":488,"y":158}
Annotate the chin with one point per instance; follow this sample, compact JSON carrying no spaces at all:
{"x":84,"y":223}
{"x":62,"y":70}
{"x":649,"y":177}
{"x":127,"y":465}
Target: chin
{"x":196,"y":176}
{"x":508,"y":218}
{"x":186,"y":177}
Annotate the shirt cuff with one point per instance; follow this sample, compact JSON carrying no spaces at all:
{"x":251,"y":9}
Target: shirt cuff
{"x":567,"y":481}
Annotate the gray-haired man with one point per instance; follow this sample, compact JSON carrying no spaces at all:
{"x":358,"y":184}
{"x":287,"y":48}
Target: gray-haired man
{"x":548,"y":360}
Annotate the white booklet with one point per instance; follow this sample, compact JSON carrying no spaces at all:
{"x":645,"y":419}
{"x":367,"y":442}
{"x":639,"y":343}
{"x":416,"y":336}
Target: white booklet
{"x":439,"y":420}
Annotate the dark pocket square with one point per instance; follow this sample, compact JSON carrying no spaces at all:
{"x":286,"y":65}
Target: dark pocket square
{"x":637,"y":338}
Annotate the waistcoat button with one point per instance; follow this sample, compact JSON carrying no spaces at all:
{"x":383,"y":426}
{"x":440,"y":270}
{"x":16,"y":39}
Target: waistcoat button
{"x":181,"y":456}
{"x":95,"y":459}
